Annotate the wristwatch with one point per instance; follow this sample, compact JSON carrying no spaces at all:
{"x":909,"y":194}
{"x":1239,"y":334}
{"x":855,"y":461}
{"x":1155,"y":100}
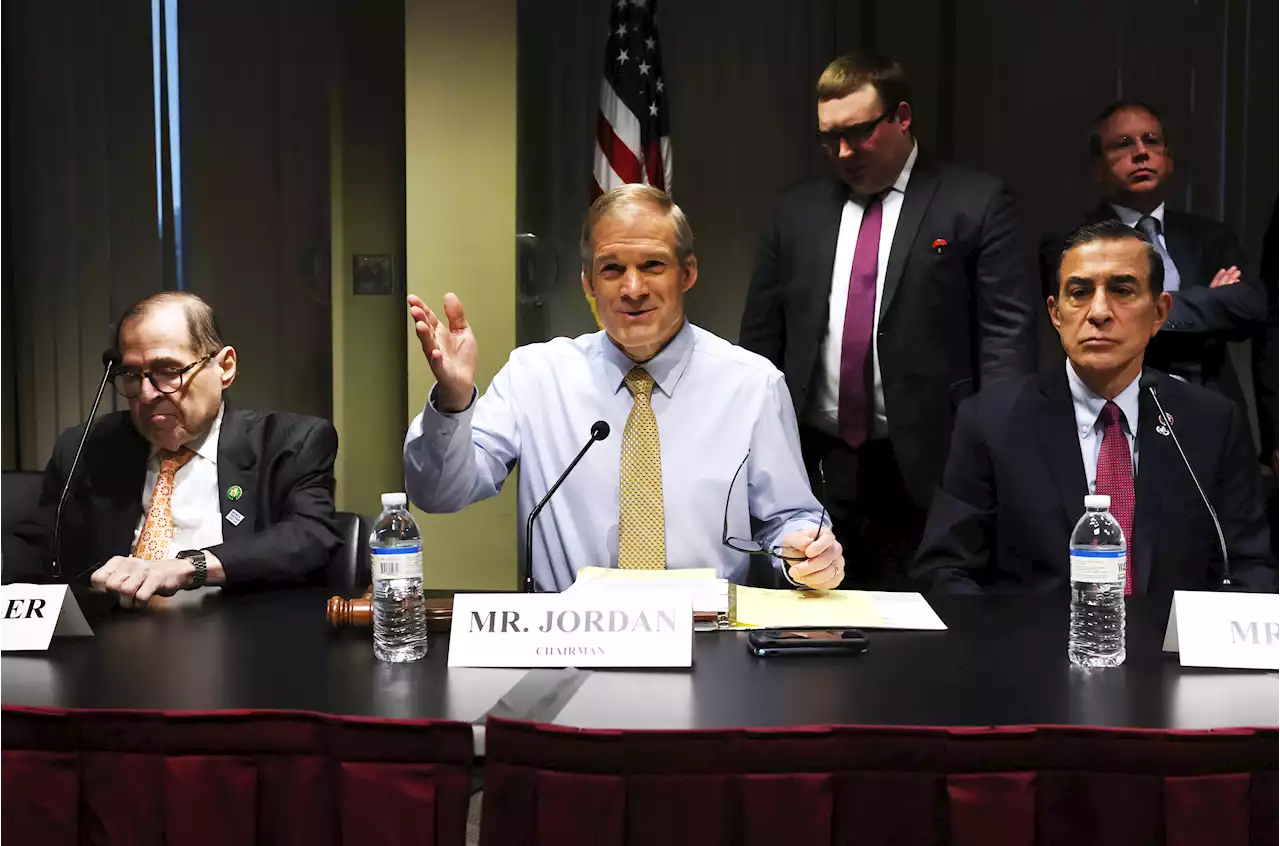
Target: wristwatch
{"x":196,"y":557}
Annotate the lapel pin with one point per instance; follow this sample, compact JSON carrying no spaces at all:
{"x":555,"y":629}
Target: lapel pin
{"x":939,"y":245}
{"x":234,"y":517}
{"x":235,"y":492}
{"x":1164,"y":424}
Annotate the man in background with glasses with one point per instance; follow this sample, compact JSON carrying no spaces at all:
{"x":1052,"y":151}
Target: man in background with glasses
{"x":684,"y":408}
{"x":887,"y":292}
{"x":1132,"y":164}
{"x":183,"y":490}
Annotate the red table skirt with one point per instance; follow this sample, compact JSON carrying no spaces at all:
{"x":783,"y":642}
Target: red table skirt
{"x":230,"y":777}
{"x":875,"y":786}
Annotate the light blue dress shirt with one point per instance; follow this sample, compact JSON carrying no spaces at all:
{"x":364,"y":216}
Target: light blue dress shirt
{"x":1088,"y":407}
{"x":714,"y":402}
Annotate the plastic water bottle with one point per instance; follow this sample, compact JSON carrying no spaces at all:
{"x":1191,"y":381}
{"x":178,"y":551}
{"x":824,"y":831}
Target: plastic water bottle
{"x":1097,"y":587}
{"x":399,"y":618}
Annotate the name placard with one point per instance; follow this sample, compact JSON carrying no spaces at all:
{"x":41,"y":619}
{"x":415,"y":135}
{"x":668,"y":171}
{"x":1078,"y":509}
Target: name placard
{"x":605,"y":629}
{"x":33,"y":614}
{"x":1229,"y":630}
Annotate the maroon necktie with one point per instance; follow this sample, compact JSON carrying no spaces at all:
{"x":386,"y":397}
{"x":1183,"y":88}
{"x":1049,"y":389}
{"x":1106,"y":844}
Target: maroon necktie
{"x":1115,"y":479}
{"x":854,"y":418}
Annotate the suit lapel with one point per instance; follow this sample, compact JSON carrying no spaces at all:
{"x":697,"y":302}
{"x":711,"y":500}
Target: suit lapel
{"x":118,"y":493}
{"x":826,"y":233}
{"x":1157,"y":455}
{"x":920,"y":190}
{"x":815,"y":280}
{"x":238,"y":497}
{"x":1101,"y":212}
{"x":1060,"y":444}
{"x":1184,"y":249}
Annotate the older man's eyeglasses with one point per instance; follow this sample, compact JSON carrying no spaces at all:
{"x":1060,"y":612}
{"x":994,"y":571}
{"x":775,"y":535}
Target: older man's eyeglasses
{"x":751,"y":547}
{"x":166,"y":380}
{"x":854,"y":136}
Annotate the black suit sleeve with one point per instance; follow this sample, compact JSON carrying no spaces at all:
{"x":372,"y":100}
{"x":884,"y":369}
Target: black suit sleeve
{"x":1237,"y":497}
{"x":1004,"y":292}
{"x":306,"y":535}
{"x":1229,"y":313}
{"x":961,"y":524}
{"x":763,"y":329}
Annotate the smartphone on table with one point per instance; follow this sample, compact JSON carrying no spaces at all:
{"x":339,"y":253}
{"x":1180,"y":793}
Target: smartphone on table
{"x":775,"y":643}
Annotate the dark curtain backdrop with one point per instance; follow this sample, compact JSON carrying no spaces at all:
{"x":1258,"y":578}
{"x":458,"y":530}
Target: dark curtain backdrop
{"x":255,"y":78}
{"x":8,"y":301}
{"x":1000,"y":85}
{"x":81,"y":233}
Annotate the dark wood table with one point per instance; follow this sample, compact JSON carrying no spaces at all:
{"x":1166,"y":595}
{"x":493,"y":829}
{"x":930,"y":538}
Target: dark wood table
{"x":1003,"y":662}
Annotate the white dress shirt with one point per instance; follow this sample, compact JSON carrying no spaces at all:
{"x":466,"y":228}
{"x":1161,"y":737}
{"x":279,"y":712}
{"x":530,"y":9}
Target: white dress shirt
{"x":714,"y":403}
{"x":1088,"y":406}
{"x":196,"y":508}
{"x":824,"y":411}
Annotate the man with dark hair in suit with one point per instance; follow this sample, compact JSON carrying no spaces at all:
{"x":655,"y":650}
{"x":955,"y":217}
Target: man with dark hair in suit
{"x":887,"y":293}
{"x":1025,"y":454}
{"x":183,"y":490}
{"x":1132,"y":163}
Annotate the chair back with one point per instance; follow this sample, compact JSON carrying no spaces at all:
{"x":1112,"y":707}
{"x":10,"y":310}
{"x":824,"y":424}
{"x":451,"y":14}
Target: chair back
{"x":19,"y":496}
{"x":349,"y":570}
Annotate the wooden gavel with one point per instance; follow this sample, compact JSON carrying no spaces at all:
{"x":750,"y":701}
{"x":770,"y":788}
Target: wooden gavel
{"x":358,"y":613}
{"x":351,"y":613}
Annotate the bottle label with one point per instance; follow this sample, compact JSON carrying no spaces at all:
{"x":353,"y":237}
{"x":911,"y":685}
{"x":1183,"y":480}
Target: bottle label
{"x":399,"y":563}
{"x":1097,"y":566}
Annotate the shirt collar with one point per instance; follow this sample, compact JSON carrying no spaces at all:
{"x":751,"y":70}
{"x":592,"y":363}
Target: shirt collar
{"x":1088,"y":405}
{"x":1129,"y":217}
{"x":666,"y":367}
{"x":900,"y":185}
{"x":206,"y":447}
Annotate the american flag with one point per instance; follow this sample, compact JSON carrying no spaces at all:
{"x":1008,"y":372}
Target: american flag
{"x":633,"y":130}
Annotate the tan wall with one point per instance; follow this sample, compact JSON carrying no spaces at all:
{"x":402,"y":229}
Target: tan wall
{"x":367,"y":217}
{"x":460,"y":174}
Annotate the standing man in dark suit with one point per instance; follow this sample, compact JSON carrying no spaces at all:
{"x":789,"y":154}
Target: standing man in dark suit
{"x":1202,"y":258}
{"x":887,"y":293}
{"x":1025,"y":454}
{"x":183,"y":490}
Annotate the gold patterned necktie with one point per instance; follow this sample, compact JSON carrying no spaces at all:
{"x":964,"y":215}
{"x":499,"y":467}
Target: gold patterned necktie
{"x":157,"y":532}
{"x":642,"y":528}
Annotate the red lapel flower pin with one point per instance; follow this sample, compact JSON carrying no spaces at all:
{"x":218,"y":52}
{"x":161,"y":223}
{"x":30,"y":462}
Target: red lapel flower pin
{"x":939,"y":244}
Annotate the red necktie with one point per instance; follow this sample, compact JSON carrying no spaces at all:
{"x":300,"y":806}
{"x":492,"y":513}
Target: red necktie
{"x":854,"y":419}
{"x":1115,"y":479}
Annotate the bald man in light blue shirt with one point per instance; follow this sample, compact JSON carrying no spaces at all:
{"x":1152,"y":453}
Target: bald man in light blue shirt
{"x":717,"y":408}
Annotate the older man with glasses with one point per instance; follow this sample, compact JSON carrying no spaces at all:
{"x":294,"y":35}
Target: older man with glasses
{"x":685,"y":408}
{"x":183,"y":490}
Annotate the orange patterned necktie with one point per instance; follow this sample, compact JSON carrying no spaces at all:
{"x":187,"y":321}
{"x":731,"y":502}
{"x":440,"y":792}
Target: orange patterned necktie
{"x":157,"y":533}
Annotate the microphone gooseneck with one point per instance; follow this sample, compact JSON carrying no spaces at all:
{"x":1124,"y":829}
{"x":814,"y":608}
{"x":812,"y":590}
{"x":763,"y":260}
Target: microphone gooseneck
{"x":1148,"y":382}
{"x":599,"y":431}
{"x":110,"y":360}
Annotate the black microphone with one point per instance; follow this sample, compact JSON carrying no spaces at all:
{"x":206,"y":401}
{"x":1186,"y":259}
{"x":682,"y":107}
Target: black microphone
{"x":110,"y":360}
{"x":1148,"y":382}
{"x":599,"y":431}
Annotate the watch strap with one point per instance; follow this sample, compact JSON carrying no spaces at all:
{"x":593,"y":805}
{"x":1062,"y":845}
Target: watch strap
{"x":197,"y":559}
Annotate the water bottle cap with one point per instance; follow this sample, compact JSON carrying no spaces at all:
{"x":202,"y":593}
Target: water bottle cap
{"x":1097,"y":501}
{"x":393,"y":500}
